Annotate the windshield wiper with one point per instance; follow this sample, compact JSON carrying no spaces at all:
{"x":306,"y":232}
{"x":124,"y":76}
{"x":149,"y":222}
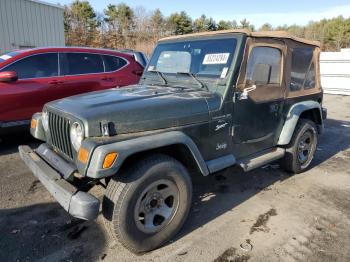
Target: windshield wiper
{"x":160,"y":74}
{"x":200,"y":83}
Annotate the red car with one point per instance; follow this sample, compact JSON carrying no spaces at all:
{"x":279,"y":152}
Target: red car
{"x":32,"y":77}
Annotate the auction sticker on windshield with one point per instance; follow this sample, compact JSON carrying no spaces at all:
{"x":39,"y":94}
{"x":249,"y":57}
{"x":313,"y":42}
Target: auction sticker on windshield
{"x":214,"y":59}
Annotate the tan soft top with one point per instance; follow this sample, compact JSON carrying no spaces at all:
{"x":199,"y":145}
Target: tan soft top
{"x":274,"y":34}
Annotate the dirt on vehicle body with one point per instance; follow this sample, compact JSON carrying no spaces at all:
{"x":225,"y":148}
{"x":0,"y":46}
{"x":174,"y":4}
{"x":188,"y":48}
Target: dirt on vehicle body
{"x":205,"y":102}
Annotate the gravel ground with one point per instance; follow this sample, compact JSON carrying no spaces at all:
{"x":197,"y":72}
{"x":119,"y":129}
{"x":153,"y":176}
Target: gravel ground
{"x":263,"y":215}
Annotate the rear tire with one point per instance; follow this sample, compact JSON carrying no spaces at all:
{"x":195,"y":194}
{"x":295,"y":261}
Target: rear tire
{"x":302,"y":147}
{"x":146,"y":205}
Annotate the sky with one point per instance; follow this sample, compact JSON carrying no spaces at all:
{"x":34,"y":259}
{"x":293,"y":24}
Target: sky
{"x":275,"y":12}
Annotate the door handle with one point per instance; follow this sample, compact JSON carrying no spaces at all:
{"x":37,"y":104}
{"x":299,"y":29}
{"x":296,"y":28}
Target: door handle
{"x":244,"y":94}
{"x":107,"y":79}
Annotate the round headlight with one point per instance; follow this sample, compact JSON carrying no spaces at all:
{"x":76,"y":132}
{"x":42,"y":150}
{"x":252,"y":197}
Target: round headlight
{"x":45,"y":120}
{"x":76,"y":135}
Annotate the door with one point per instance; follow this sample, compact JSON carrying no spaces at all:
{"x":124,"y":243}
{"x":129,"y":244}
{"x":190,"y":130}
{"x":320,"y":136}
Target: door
{"x":82,"y":72}
{"x":259,"y":99}
{"x":37,"y":76}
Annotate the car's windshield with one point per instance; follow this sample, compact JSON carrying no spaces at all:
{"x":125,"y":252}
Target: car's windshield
{"x":184,"y":63}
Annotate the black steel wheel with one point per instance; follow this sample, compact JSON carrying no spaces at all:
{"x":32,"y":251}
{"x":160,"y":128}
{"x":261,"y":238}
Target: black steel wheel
{"x":300,"y":151}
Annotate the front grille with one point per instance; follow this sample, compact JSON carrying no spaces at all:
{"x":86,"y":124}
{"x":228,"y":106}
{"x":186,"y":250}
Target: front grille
{"x":59,"y":131}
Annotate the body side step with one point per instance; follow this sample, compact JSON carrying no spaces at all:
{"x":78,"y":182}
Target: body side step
{"x":220,"y":163}
{"x":262,"y":158}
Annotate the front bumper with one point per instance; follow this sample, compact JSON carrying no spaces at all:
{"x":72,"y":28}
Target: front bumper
{"x":77,"y":203}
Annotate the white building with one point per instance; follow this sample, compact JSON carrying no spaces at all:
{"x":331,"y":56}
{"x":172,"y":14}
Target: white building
{"x":335,"y":72}
{"x":30,"y":23}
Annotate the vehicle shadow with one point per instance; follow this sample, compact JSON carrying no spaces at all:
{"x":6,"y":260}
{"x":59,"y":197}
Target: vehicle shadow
{"x":335,"y":139}
{"x":215,"y":195}
{"x":9,"y":143}
{"x":45,"y":232}
{"x":218,"y":194}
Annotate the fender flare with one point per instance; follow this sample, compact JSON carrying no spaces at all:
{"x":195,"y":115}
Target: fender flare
{"x":129,"y":147}
{"x":292,"y":119}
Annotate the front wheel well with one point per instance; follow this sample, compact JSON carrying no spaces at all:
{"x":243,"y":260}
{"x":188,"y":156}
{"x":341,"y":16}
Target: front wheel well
{"x":180,"y":152}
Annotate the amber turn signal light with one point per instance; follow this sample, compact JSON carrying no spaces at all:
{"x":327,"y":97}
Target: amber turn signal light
{"x":83,"y":155}
{"x":109,"y":160}
{"x":33,"y":123}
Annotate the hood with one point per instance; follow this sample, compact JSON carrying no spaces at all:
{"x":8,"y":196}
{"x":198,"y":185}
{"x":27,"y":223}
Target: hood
{"x":138,"y":108}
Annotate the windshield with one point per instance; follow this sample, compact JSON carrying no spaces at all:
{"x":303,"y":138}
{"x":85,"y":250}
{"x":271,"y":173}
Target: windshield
{"x":184,"y":63}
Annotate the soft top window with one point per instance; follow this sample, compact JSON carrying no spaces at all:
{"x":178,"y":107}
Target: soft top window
{"x":301,"y":65}
{"x":269,"y":56}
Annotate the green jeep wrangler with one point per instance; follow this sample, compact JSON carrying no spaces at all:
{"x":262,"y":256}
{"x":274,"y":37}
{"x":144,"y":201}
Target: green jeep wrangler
{"x":206,"y":102}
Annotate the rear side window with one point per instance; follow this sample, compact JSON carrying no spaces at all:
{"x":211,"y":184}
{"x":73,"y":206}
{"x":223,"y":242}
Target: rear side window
{"x":113,"y":63}
{"x":265,"y":56}
{"x":36,"y":66}
{"x":310,"y":81}
{"x":83,"y":63}
{"x":303,"y":69}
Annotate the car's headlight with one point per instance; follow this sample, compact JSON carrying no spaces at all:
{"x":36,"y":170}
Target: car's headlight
{"x":45,"y":121}
{"x":76,"y":135}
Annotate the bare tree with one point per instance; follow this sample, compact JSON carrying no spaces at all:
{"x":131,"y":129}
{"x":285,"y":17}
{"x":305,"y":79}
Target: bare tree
{"x":121,"y":26}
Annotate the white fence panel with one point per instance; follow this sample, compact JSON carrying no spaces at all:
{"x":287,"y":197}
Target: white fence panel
{"x":335,"y":72}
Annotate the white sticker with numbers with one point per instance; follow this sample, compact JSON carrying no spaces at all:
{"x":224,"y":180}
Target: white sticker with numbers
{"x":215,"y":59}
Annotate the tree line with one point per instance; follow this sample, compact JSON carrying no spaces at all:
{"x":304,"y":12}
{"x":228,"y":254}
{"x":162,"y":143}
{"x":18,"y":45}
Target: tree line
{"x":123,"y":27}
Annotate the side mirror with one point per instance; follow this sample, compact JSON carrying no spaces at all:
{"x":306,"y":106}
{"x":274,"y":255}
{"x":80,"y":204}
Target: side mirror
{"x":8,"y":76}
{"x":261,"y":74}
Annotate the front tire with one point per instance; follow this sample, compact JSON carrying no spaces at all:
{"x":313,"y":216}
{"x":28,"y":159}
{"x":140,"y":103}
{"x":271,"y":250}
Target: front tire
{"x":145,"y":206}
{"x":300,"y":151}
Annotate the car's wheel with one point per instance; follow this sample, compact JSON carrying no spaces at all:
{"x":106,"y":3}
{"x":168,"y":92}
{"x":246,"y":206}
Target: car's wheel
{"x":146,"y":205}
{"x":301,"y":149}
